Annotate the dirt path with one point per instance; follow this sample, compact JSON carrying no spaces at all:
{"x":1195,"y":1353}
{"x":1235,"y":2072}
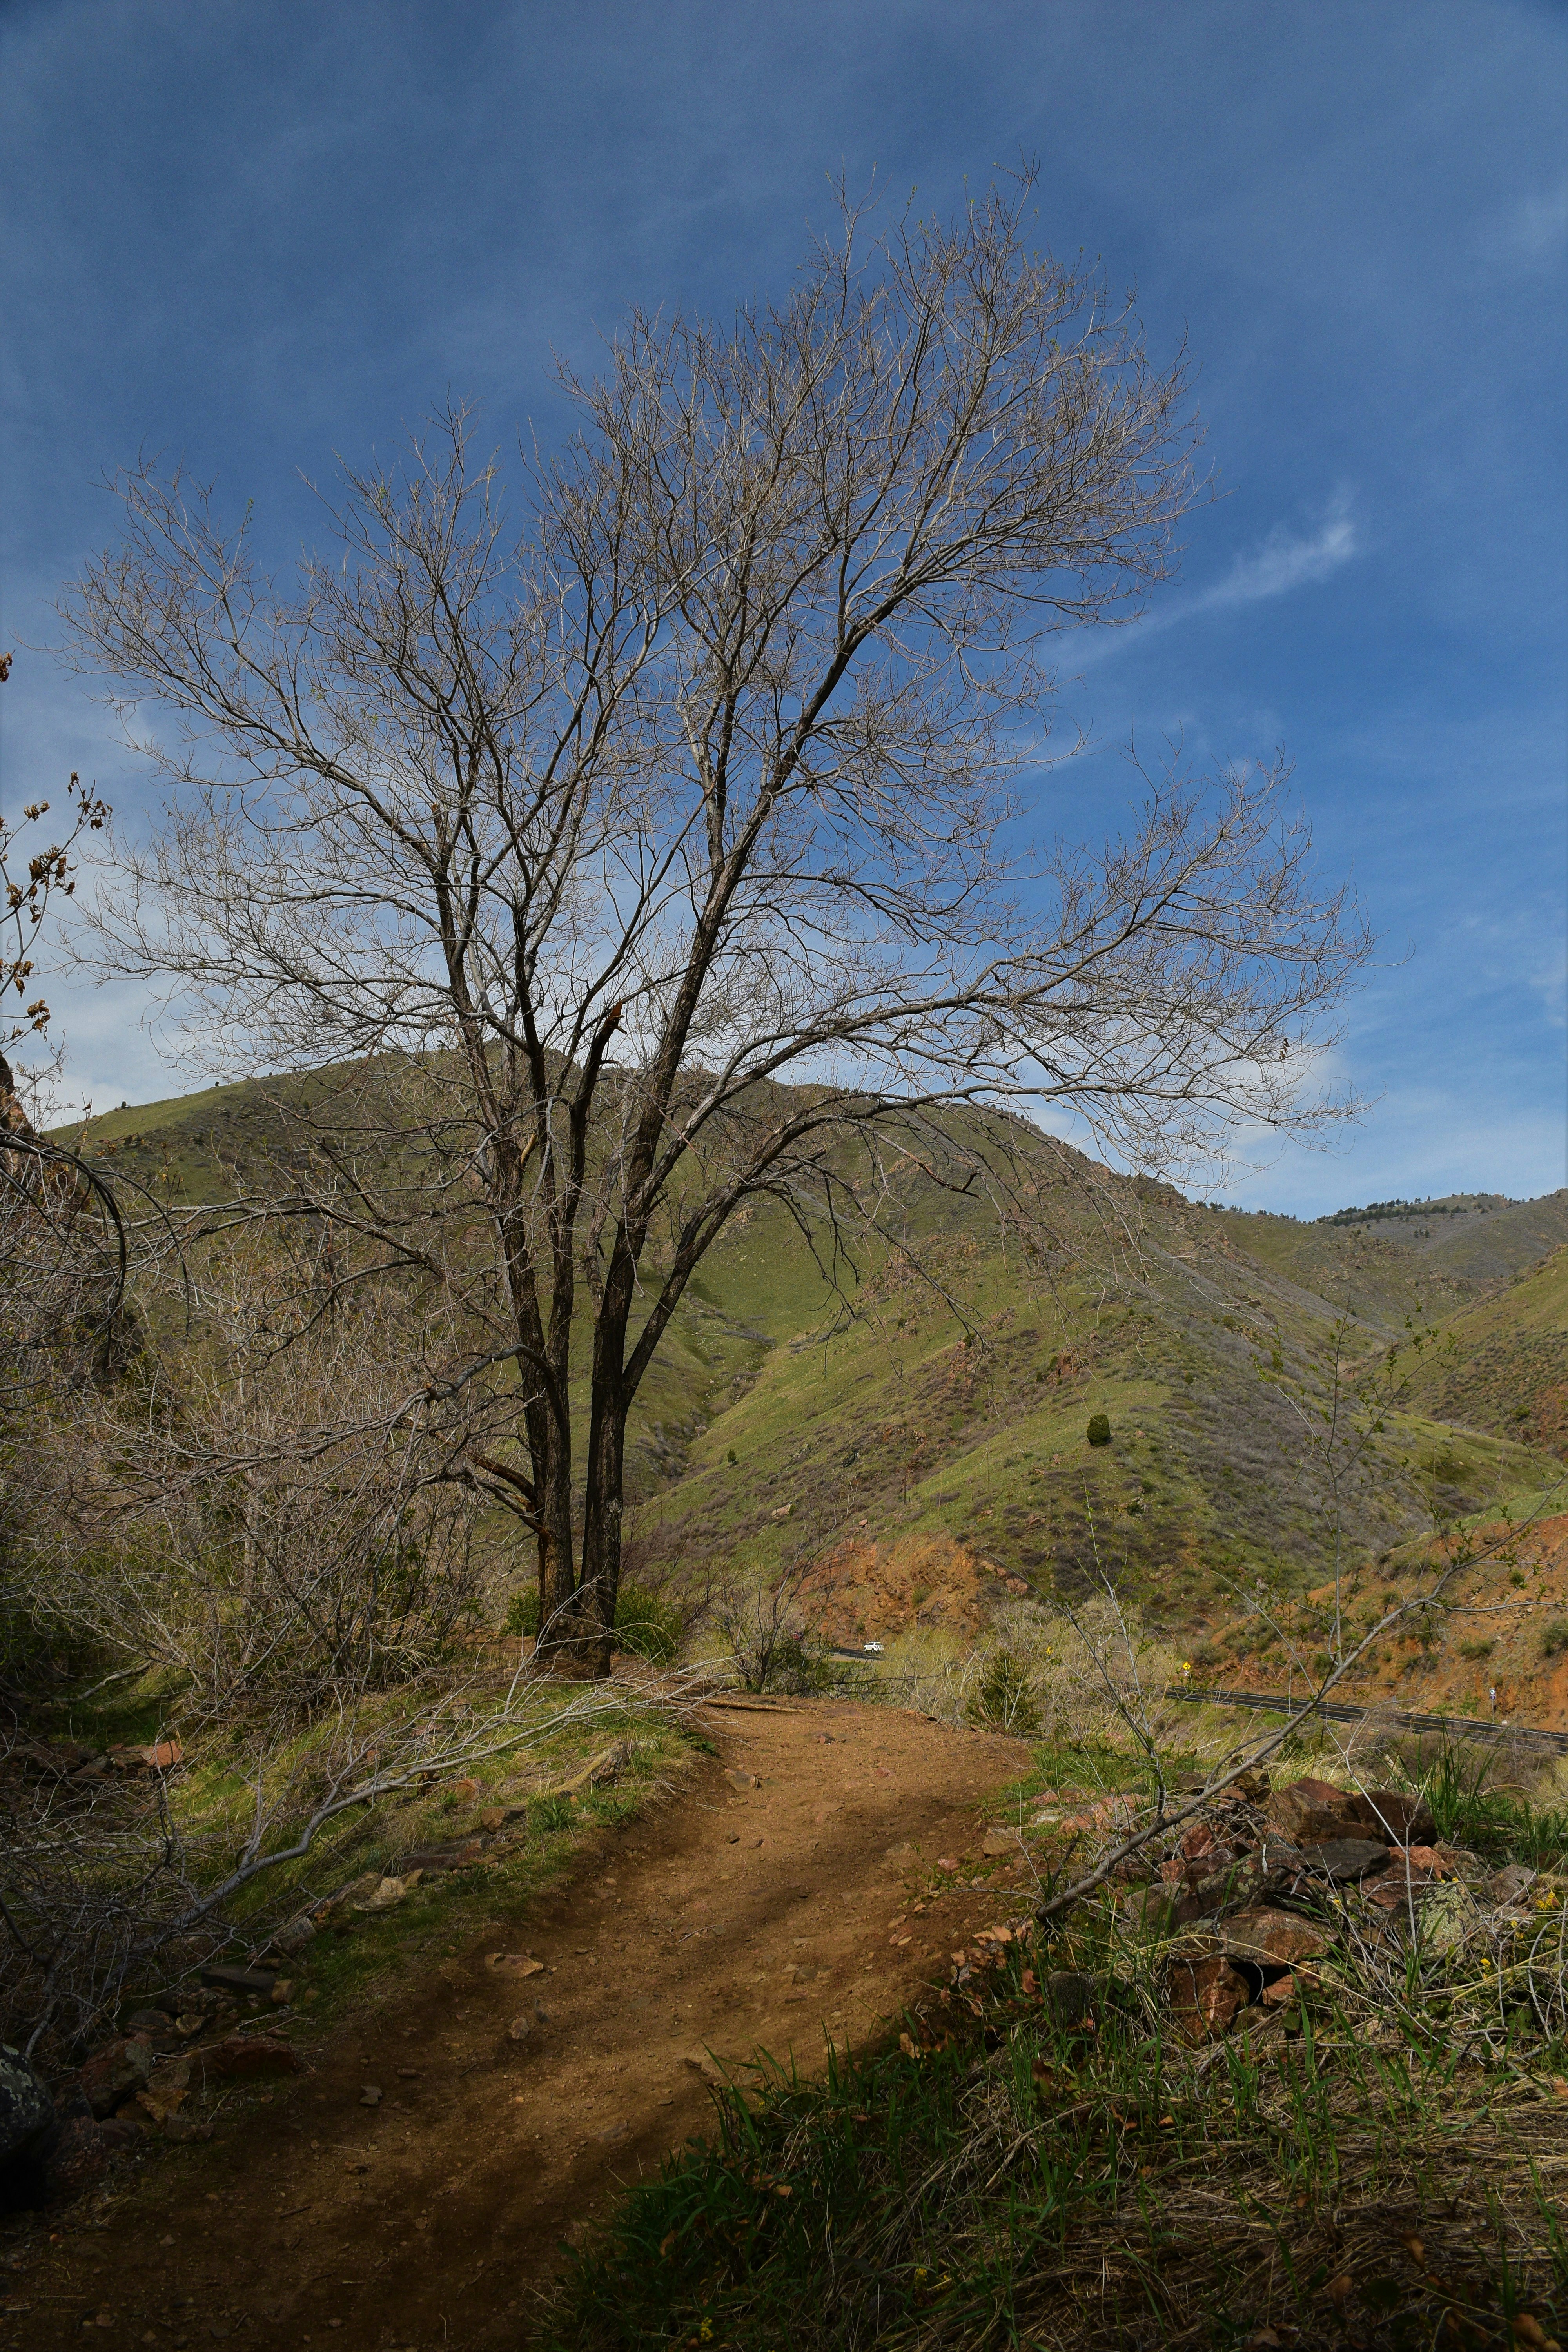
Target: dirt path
{"x":734,"y":1917}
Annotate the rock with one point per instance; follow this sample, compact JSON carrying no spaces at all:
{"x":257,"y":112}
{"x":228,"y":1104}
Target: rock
{"x":371,"y":2095}
{"x":1246,"y":1882}
{"x":1506,"y":1885}
{"x":295,"y":1935}
{"x":148,"y":2020}
{"x":387,"y":1891}
{"x":1315,"y":1813}
{"x":521,"y":2028}
{"x":1394,"y":1815}
{"x":742,"y":1779}
{"x":1134,"y":1869}
{"x":240,"y":2057}
{"x":899,"y":1857}
{"x":113,"y":2075}
{"x":26,"y":2110}
{"x":493,"y":1818}
{"x":431,"y":1860}
{"x":1069,"y":1995}
{"x":514,"y":1964}
{"x":464,"y":1791}
{"x":1001,"y":1841}
{"x":186,"y":2127}
{"x":1281,"y":1993}
{"x":1394,"y":1890}
{"x":120,"y":2132}
{"x":166,"y":2092}
{"x":1435,"y":1860}
{"x":162,"y":1757}
{"x":1343,"y":1860}
{"x":225,"y":1979}
{"x":1450,"y":1915}
{"x":1272,"y":1939}
{"x":597,"y":1771}
{"x":1205,"y":1998}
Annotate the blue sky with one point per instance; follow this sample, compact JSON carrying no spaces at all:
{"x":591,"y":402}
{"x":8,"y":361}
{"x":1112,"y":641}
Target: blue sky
{"x":250,"y":236}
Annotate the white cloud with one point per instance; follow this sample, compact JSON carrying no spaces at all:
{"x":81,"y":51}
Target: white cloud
{"x":1286,"y":559}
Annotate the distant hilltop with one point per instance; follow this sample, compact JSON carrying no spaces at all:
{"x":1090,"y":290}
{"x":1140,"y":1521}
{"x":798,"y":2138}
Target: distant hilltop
{"x":1451,"y":1204}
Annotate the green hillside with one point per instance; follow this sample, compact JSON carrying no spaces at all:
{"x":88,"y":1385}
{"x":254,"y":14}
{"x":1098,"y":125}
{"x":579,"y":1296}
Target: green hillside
{"x":940,"y":1390}
{"x":1507,"y":1368}
{"x":967,"y":1421}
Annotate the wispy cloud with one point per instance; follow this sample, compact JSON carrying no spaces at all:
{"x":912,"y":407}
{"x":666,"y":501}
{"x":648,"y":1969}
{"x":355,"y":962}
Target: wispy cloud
{"x":1286,"y":559}
{"x":1531,"y":234}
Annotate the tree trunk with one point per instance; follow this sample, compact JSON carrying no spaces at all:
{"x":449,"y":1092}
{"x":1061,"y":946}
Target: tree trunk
{"x":602,"y":1510}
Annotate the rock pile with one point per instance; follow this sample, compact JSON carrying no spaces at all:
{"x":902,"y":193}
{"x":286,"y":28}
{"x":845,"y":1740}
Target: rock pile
{"x":1257,"y":1895}
{"x":1269,"y":1891}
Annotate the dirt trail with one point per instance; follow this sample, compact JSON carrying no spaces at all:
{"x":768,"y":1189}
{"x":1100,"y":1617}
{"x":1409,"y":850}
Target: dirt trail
{"x":730,"y":1918}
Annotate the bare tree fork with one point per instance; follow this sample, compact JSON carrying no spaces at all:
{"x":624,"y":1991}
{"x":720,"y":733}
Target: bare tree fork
{"x":660,"y":852}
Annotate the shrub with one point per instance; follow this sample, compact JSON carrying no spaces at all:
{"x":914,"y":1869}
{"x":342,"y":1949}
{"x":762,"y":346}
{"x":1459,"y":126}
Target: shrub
{"x":1099,"y":1428}
{"x":1005,"y":1700}
{"x":1477,"y":1649}
{"x":1554,"y":1638}
{"x":647,"y":1624}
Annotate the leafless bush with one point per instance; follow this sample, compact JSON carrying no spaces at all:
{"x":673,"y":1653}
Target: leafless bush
{"x":770,"y":1634}
{"x":270,"y":1511}
{"x":1056,"y":1674}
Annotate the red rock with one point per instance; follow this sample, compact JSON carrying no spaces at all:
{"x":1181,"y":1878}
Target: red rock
{"x":163,"y":1757}
{"x":1273,"y":1939}
{"x":113,"y":2075}
{"x":240,"y":2056}
{"x":1314,"y":1812}
{"x":1394,"y":1890}
{"x":1205,"y":1997}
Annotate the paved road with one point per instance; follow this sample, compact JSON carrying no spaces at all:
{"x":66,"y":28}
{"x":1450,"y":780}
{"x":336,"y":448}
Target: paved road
{"x":1452,"y":1727}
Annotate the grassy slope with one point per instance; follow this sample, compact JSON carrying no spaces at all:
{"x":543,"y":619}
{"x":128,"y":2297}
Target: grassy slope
{"x":1505,"y":1367}
{"x":1481,"y":1236}
{"x":918,"y":1423}
{"x":954,"y":1417}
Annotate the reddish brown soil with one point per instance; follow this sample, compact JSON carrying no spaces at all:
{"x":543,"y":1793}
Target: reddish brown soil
{"x":1530,"y":1679}
{"x":727,"y":1919}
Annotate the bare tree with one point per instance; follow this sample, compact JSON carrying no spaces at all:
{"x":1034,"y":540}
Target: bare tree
{"x":710,"y":763}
